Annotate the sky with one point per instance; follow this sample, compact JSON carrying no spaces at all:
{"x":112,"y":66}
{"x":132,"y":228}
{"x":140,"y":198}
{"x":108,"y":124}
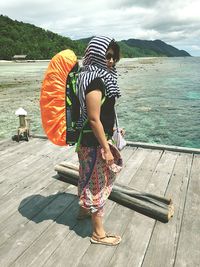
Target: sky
{"x":176,"y":22}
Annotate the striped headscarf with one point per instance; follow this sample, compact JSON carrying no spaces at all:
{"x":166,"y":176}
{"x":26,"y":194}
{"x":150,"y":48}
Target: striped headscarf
{"x":94,"y":66}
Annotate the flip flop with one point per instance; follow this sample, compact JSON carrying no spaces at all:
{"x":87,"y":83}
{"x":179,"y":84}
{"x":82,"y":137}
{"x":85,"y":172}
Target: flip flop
{"x":101,"y":240}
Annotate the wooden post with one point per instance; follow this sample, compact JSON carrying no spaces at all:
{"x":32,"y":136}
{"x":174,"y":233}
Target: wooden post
{"x":22,"y":121}
{"x":23,"y":131}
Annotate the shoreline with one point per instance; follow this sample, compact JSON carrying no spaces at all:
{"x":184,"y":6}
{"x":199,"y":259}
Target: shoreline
{"x":47,"y":60}
{"x":24,"y":61}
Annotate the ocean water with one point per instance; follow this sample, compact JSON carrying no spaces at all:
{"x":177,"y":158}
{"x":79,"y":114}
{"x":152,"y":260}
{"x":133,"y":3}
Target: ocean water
{"x":160,"y":100}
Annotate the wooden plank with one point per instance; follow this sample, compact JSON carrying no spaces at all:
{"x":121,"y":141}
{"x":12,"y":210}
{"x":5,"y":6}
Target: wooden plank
{"x":42,"y":248}
{"x":42,"y":148}
{"x":32,"y":184}
{"x":188,"y":251}
{"x":127,"y":152}
{"x":8,"y":204}
{"x":146,"y":169}
{"x":34,"y":228}
{"x":163,"y":243}
{"x":4,"y":141}
{"x":10,"y":177}
{"x":76,"y":240}
{"x":11,"y":158}
{"x":132,"y":165}
{"x":30,"y":207}
{"x":15,"y":147}
{"x":33,"y":148}
{"x":134,"y":242}
{"x":8,"y":145}
{"x":21,"y":171}
{"x":116,"y":223}
{"x":140,"y":228}
{"x":23,"y":188}
{"x":161,"y":175}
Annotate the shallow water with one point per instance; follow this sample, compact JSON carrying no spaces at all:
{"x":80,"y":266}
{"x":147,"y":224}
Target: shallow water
{"x":20,"y":87}
{"x":160,"y":100}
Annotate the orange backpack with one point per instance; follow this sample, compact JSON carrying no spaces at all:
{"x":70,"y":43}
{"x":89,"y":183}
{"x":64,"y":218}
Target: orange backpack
{"x":58,"y":99}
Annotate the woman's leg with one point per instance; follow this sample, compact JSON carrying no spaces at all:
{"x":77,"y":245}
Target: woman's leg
{"x":99,"y":236}
{"x":97,"y":225}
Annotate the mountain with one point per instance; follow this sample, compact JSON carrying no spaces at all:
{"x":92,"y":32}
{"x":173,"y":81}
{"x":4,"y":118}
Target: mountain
{"x":18,"y":38}
{"x":157,"y":46}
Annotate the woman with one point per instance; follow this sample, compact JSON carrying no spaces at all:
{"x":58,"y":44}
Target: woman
{"x":97,"y":90}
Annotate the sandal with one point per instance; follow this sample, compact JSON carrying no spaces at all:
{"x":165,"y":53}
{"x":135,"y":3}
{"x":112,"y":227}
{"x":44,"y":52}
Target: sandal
{"x":115,"y":240}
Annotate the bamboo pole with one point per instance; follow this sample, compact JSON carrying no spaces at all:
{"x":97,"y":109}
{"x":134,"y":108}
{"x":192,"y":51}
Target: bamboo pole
{"x":153,"y":206}
{"x":164,"y":147}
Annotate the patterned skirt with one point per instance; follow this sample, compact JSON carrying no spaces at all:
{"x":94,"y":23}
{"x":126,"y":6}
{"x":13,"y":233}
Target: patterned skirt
{"x":95,"y":179}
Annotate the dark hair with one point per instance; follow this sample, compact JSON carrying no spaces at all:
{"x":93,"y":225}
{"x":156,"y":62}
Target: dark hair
{"x":116,"y":49}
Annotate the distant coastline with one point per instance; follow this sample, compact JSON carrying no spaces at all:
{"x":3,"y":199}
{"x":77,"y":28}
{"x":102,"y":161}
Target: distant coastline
{"x":24,"y":61}
{"x":48,"y":60}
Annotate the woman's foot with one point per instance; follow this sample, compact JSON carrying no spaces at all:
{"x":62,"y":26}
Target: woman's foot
{"x":107,"y":239}
{"x":99,"y":236}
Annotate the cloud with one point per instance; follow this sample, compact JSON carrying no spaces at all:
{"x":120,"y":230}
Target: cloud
{"x":130,"y":3}
{"x":176,"y":22}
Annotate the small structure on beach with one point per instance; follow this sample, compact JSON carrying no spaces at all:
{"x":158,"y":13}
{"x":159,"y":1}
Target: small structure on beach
{"x":23,"y":131}
{"x":19,"y":57}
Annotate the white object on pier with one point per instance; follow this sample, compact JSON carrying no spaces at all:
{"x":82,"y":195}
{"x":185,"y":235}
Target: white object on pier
{"x":21,"y":111}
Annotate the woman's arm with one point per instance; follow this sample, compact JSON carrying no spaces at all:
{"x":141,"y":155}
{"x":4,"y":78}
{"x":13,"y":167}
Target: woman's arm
{"x":93,"y":104}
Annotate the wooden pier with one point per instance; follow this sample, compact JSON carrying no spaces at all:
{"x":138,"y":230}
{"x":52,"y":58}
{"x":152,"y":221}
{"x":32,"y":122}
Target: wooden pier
{"x":38,"y":225}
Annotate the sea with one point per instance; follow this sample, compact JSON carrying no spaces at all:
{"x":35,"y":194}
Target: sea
{"x":160,"y":100}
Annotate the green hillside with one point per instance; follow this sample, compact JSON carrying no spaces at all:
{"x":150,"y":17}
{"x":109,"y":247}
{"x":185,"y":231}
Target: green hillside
{"x":128,"y":51}
{"x":157,"y":46}
{"x":18,"y":38}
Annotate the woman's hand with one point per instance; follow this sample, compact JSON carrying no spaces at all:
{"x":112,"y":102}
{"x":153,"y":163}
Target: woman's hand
{"x":122,"y":131}
{"x":107,"y":156}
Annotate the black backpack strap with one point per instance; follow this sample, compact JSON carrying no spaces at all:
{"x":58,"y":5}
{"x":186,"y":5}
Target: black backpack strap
{"x":85,"y":131}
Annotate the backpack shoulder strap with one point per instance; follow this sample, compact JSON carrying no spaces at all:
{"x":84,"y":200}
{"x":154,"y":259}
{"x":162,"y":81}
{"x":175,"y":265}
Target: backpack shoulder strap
{"x":82,"y":129}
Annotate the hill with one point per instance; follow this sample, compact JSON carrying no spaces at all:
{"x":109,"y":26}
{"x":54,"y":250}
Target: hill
{"x":18,"y":38}
{"x":26,"y":39}
{"x":157,"y":46}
